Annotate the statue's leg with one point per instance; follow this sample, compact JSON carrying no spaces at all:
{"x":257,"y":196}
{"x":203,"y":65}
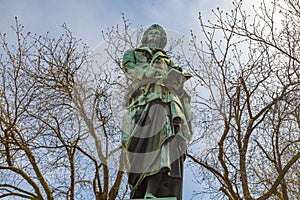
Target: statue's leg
{"x":171,"y":186}
{"x":139,"y":191}
{"x":153,"y":183}
{"x":150,"y":185}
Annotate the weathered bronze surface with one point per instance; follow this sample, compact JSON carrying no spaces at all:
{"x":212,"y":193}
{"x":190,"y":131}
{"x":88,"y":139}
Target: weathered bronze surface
{"x":156,"y":127}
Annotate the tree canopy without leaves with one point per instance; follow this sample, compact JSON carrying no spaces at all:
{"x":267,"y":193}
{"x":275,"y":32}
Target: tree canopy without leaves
{"x":55,"y":121}
{"x":250,"y":68}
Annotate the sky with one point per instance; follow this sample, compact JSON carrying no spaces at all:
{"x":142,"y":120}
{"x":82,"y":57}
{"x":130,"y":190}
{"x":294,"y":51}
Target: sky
{"x":87,"y":18}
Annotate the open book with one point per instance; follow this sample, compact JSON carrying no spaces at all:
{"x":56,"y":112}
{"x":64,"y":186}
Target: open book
{"x":175,"y":79}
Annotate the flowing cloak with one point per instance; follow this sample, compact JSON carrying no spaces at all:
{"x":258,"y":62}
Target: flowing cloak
{"x":156,"y":126}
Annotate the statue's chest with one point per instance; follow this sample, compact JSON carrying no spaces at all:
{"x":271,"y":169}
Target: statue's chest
{"x":147,"y":57}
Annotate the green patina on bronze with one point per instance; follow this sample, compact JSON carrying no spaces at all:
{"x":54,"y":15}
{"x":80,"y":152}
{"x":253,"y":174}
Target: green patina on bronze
{"x":158,"y":119}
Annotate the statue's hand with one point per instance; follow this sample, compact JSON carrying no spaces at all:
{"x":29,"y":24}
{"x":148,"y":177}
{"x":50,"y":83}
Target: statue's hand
{"x":152,"y":72}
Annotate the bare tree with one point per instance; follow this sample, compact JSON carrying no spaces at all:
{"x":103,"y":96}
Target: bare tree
{"x":56,"y":121}
{"x":250,"y":70}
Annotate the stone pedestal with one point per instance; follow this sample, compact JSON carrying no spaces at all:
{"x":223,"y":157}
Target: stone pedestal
{"x":161,"y":198}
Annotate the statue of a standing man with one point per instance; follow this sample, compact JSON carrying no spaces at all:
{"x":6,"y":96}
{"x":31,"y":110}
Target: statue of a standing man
{"x":156,"y":127}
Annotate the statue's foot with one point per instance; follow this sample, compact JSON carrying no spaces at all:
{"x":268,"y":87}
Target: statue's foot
{"x":149,"y":196}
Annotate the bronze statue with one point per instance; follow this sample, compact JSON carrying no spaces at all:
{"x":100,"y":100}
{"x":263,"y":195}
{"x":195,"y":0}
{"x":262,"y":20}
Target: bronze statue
{"x":156,"y":127}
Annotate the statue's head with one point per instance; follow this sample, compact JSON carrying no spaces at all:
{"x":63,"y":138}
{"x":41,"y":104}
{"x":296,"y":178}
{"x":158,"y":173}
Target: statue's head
{"x":155,"y":37}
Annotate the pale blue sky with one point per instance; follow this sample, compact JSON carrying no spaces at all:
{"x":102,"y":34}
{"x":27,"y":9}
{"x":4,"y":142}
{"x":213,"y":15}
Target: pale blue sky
{"x":87,"y":18}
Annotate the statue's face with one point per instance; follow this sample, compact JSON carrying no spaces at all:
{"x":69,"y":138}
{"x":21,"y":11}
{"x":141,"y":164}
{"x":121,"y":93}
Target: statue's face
{"x":154,"y":38}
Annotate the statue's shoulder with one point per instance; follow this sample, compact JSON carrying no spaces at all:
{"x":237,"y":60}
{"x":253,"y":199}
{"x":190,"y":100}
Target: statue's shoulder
{"x":129,"y":56}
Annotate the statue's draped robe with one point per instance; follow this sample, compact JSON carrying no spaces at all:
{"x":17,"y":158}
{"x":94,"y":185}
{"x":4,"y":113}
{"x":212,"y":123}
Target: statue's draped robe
{"x":156,"y":127}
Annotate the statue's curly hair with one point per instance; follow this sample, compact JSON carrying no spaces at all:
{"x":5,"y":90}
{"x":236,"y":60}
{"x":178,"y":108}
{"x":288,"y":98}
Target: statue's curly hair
{"x":163,"y":42}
